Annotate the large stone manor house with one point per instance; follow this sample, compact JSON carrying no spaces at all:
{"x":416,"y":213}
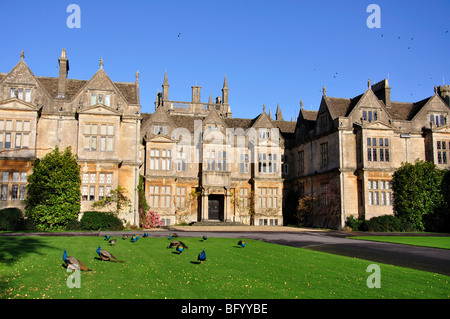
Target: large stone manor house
{"x":201,"y":164}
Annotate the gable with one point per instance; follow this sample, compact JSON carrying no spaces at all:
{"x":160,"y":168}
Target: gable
{"x":377,"y":125}
{"x":21,"y":75}
{"x":14,"y":104}
{"x":432,"y":105}
{"x":100,"y":83}
{"x":213,"y":118}
{"x":99,"y":110}
{"x":263,"y":121}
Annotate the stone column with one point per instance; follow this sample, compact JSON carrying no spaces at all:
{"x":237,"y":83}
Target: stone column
{"x":204,"y":207}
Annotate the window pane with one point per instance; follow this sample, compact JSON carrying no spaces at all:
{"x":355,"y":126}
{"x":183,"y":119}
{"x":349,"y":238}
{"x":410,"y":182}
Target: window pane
{"x":8,"y":125}
{"x":93,"y":143}
{"x":15,"y":176}
{"x":23,"y":177}
{"x":25,"y":140}
{"x":93,"y":99}
{"x":7,"y":140}
{"x":87,"y":129}
{"x":110,"y":146}
{"x":18,"y":140}
{"x":107,"y":99}
{"x":15,"y":192}
{"x":19,"y":126}
{"x":26,"y":126}
{"x":92,"y":178}
{"x":27,"y":95}
{"x":103,"y":144}
{"x":110,"y":129}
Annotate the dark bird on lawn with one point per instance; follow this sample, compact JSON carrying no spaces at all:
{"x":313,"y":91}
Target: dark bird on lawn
{"x":205,"y":238}
{"x":241,"y":243}
{"x":145,"y":234}
{"x":183,"y":244}
{"x":202,"y":256}
{"x":173,"y":235}
{"x":124,"y":236}
{"x":106,"y":255}
{"x":134,"y":238}
{"x":113,"y":241}
{"x":173,"y":243}
{"x":73,"y":263}
{"x":180,"y":248}
{"x":107,"y":237}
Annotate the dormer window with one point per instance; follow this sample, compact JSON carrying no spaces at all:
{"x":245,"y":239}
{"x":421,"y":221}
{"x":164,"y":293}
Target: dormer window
{"x":263,"y":133}
{"x":437,"y":119}
{"x":21,"y":94}
{"x":159,"y":129}
{"x":100,"y":98}
{"x":370,"y":116}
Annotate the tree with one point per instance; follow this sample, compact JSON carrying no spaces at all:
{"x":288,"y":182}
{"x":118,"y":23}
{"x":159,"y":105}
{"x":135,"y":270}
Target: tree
{"x":417,"y":191}
{"x":115,"y":202}
{"x":53,"y":191}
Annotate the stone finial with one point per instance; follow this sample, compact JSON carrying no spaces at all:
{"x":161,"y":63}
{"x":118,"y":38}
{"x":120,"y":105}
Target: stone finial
{"x":22,"y":55}
{"x":166,"y":82}
{"x":264,"y":108}
{"x":324,"y":90}
{"x":63,"y":54}
{"x":435,"y":89}
{"x":101,"y":63}
{"x":368,"y":84}
{"x":301,"y":104}
{"x":225,"y":84}
{"x":137,"y":75}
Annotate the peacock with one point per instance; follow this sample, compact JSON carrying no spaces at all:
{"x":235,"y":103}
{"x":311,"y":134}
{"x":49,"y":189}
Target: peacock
{"x":173,"y":243}
{"x":202,"y":256}
{"x":73,"y":263}
{"x":241,"y":243}
{"x":113,"y":241}
{"x":173,"y":235}
{"x":183,"y":244}
{"x":180,"y":248}
{"x":134,"y":238}
{"x":107,"y":237}
{"x":106,"y":255}
{"x":204,"y":237}
{"x":145,"y":234}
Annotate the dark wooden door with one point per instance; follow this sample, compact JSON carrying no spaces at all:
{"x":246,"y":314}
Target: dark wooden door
{"x":213,"y":209}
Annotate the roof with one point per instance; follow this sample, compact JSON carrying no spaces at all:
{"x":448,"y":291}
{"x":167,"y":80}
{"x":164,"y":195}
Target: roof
{"x":341,"y":106}
{"x":405,"y":110}
{"x":187,"y":121}
{"x":50,"y":84}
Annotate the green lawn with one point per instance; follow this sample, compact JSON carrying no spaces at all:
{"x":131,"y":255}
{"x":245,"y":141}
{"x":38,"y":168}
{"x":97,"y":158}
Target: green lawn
{"x":31,"y":267}
{"x":426,"y":241}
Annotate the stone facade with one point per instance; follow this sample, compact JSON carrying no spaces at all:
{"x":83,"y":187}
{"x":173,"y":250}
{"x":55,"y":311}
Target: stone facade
{"x":201,"y":164}
{"x":358,"y":143}
{"x":98,"y":118}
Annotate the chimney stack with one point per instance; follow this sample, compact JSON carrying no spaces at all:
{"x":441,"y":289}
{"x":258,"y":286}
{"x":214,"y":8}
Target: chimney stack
{"x":63,"y":71}
{"x":383,"y":92}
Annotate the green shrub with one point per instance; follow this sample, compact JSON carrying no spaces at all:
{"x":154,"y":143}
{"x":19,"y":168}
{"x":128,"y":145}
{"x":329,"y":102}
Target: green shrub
{"x":11,"y":219}
{"x":356,"y":224}
{"x":94,"y":220}
{"x":389,"y":223}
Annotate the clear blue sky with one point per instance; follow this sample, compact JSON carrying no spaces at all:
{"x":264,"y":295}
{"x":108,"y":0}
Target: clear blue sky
{"x":271,"y":51}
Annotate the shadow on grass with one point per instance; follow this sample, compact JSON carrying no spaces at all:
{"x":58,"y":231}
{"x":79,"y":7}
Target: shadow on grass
{"x":12,"y":249}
